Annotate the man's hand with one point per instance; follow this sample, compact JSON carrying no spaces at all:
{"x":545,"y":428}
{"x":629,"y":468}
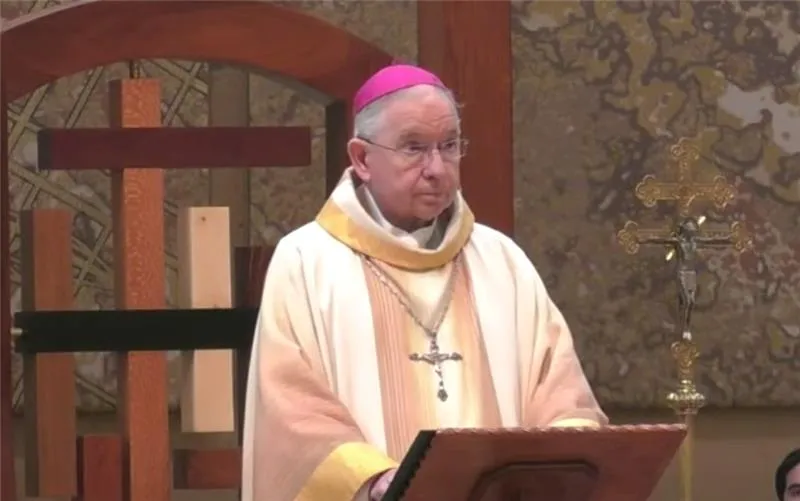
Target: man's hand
{"x":381,"y":485}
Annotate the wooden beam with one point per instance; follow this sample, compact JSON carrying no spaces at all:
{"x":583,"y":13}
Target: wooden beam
{"x":229,"y":106}
{"x":135,"y":330}
{"x":207,"y":469}
{"x":204,"y":281}
{"x":99,"y":468}
{"x":46,"y":251}
{"x":137,"y":199}
{"x":468,"y":44}
{"x":174,"y":147}
{"x":7,"y":477}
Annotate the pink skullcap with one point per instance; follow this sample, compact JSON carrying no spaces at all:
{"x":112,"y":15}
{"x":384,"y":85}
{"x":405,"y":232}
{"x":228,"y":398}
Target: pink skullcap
{"x":391,"y":79}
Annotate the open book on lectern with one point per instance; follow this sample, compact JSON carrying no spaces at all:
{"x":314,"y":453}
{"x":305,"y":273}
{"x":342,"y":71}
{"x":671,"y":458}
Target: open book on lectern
{"x":611,"y":463}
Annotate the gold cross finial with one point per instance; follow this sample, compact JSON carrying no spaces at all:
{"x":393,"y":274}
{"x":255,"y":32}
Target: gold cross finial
{"x":685,"y":190}
{"x":684,"y":155}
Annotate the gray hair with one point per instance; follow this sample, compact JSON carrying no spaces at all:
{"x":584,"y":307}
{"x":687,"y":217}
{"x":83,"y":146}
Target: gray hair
{"x":368,"y":122}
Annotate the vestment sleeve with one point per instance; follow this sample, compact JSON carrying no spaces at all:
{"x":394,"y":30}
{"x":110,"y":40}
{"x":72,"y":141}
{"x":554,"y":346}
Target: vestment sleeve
{"x":300,"y":441}
{"x":561,"y":395}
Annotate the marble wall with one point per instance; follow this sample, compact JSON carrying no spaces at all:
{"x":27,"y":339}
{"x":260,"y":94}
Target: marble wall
{"x":601,"y":91}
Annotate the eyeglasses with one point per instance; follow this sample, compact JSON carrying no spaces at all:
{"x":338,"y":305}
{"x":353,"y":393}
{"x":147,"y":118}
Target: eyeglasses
{"x":413,"y":152}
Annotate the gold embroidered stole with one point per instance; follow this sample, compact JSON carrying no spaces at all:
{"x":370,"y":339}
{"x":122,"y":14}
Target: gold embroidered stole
{"x":409,"y":388}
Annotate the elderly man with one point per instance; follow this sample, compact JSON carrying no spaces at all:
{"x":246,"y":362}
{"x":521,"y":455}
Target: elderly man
{"x":787,"y":477}
{"x":395,"y":312}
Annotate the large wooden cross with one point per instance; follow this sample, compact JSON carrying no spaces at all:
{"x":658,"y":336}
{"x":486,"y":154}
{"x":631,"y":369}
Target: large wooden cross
{"x":136,"y":149}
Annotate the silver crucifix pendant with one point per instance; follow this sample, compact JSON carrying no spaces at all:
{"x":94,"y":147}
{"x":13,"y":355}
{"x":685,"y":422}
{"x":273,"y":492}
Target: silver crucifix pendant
{"x":435,"y":358}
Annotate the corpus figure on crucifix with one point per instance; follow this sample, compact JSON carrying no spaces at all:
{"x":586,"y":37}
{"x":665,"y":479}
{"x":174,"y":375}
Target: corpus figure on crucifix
{"x":685,"y":263}
{"x":684,"y":243}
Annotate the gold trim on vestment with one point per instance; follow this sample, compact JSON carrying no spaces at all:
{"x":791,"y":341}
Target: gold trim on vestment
{"x":340,"y":475}
{"x":342,"y":227}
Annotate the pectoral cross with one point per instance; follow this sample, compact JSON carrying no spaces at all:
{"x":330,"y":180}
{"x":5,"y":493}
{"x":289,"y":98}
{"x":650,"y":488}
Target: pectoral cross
{"x":684,"y":190}
{"x":435,"y":358}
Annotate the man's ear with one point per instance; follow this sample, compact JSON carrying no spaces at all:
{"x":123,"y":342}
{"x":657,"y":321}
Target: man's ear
{"x":357,"y":151}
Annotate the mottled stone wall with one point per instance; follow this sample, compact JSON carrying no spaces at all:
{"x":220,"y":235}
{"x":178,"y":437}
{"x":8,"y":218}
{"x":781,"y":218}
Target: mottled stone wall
{"x":601,"y":89}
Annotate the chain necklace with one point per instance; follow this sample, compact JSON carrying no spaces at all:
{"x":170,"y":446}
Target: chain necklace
{"x":434,"y":357}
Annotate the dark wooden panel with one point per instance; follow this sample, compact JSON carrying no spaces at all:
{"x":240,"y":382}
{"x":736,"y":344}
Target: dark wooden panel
{"x":250,"y":269}
{"x":137,"y":199}
{"x":50,"y":378}
{"x":207,"y":469}
{"x":99,"y":468}
{"x":278,"y":39}
{"x":135,"y":330}
{"x":7,"y":478}
{"x":338,"y":128}
{"x":468,"y":44}
{"x":174,"y":147}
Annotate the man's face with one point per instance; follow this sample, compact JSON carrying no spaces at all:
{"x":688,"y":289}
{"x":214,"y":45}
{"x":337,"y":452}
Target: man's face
{"x":412,"y":167}
{"x":792,"y":485}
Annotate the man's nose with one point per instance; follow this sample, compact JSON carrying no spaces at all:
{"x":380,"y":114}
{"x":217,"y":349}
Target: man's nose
{"x":435,"y":167}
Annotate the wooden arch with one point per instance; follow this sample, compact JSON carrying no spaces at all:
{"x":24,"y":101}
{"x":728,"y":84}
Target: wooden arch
{"x":62,"y":41}
{"x":41,"y":48}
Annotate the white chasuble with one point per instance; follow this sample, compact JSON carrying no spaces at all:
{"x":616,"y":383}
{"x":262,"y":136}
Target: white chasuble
{"x":333,"y":397}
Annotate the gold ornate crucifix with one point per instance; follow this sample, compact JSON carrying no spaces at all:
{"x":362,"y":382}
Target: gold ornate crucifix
{"x":685,"y":189}
{"x":683,"y":239}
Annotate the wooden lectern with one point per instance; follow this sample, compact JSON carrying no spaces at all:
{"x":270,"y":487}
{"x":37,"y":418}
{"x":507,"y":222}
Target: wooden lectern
{"x":613,"y":463}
